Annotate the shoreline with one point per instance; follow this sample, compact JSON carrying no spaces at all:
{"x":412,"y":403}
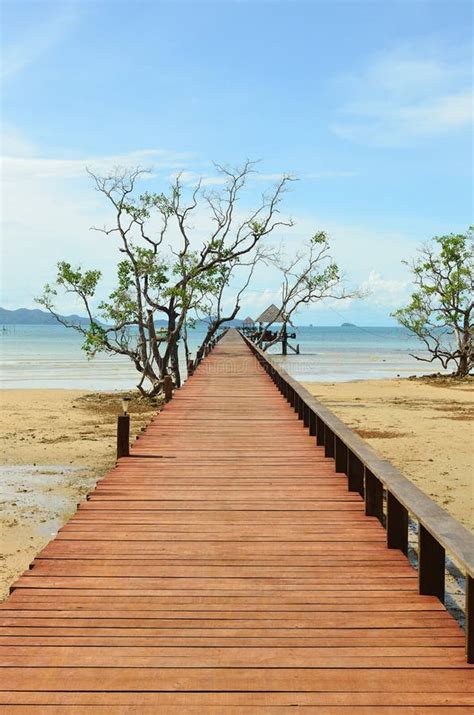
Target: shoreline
{"x":56,"y":444}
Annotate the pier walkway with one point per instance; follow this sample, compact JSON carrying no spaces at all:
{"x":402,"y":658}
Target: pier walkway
{"x":225,"y":568}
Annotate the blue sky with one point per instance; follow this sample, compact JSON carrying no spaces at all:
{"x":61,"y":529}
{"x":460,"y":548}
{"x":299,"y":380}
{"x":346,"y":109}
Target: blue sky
{"x":369,"y":103}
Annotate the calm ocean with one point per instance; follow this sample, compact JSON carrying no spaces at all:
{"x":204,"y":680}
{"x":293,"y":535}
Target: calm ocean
{"x":51,"y":356}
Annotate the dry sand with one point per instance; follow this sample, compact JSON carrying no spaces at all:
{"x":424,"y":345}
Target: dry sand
{"x":55,"y":445}
{"x":424,"y":426}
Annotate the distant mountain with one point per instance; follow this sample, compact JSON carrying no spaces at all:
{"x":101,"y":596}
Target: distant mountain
{"x":24,"y":316}
{"x":348,"y":325}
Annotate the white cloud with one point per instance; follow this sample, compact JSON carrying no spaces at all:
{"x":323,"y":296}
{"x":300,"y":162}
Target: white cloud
{"x":21,"y":52}
{"x":192,"y":177}
{"x":19,"y":167}
{"x":49,"y":206}
{"x":14,"y":142}
{"x":383,"y":292}
{"x":402,"y":96}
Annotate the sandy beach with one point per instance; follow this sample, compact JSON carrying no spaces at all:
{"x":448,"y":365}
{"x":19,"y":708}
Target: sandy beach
{"x":55,"y":445}
{"x":425,"y":427}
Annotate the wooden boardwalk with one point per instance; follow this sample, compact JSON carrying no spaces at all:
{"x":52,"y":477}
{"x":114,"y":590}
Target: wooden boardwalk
{"x":224,"y":568}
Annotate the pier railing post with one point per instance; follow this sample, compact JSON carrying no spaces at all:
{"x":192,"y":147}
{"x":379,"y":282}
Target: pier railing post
{"x":355,"y":474}
{"x":168,"y":387}
{"x":469,"y":613}
{"x":340,"y":456}
{"x":123,"y":436}
{"x":373,"y":496}
{"x":431,"y":560}
{"x":397,"y":525}
{"x":328,"y":442}
{"x":305,"y":415}
{"x":319,"y":432}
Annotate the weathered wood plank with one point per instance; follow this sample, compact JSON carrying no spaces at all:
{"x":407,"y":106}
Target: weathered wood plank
{"x":225,"y":565}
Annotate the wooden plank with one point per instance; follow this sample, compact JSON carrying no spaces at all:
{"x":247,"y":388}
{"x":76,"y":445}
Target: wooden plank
{"x":242,"y":679}
{"x":226,"y":567}
{"x":233,"y":703}
{"x":226,"y":657}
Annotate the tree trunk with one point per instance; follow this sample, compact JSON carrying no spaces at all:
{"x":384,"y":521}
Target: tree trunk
{"x":463,"y":366}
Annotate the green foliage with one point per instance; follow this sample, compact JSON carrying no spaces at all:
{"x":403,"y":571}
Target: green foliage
{"x":442,"y":304}
{"x":84,"y":283}
{"x":95,"y":339}
{"x":177,"y":282}
{"x":320,"y":238}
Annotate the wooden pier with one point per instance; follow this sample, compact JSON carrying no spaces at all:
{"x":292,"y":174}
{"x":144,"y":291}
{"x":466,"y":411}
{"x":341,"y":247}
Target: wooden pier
{"x":224,"y":567}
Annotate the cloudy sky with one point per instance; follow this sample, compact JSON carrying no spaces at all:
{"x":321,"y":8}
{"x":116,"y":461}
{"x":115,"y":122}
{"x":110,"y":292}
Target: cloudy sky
{"x":368,"y":103}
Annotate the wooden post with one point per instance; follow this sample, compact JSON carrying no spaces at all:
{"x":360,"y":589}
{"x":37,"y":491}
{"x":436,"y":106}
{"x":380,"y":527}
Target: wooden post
{"x":355,"y":474}
{"x":305,"y":414}
{"x":284,"y":341}
{"x":397,"y":525}
{"x":319,"y":432}
{"x":291,"y":396}
{"x":312,"y":423}
{"x":190,"y":367}
{"x":168,"y":387}
{"x":431,"y":565}
{"x":328,"y":442}
{"x":300,"y":408}
{"x":123,"y":436}
{"x":469,"y":618}
{"x":341,"y":456}
{"x":373,"y":496}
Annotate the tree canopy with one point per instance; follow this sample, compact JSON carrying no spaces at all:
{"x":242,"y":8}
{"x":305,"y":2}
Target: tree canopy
{"x":170,"y":271}
{"x":440,"y":312}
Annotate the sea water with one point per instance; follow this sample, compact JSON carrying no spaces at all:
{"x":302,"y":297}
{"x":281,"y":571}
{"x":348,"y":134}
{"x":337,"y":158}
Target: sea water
{"x":35,"y":356}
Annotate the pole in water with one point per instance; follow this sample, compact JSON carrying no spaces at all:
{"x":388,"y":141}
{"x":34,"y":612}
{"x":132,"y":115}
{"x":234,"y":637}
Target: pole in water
{"x":284,"y":341}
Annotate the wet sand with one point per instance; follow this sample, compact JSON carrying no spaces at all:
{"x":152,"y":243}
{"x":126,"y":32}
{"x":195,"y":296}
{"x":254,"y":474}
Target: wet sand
{"x":425,"y":427}
{"x":55,"y":445}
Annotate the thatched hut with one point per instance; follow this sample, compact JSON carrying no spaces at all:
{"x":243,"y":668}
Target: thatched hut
{"x":271,"y":315}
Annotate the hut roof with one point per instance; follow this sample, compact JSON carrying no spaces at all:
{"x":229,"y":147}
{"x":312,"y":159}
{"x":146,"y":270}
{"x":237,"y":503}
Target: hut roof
{"x":271,"y":315}
{"x":248,"y":321}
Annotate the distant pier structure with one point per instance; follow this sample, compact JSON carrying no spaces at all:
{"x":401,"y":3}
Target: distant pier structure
{"x":271,"y":316}
{"x":248,"y":326}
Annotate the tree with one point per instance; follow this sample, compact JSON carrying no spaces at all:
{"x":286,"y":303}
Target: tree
{"x":156,"y":280}
{"x":210,"y":308}
{"x":308,"y":277}
{"x":440,"y":312}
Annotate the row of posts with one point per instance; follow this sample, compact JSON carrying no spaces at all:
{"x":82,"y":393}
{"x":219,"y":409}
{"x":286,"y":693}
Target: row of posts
{"x":123,"y":420}
{"x":431,"y":554}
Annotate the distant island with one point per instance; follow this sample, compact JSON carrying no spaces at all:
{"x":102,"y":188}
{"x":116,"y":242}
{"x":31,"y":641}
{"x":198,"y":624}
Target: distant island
{"x":348,"y":325}
{"x":25,"y":316}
